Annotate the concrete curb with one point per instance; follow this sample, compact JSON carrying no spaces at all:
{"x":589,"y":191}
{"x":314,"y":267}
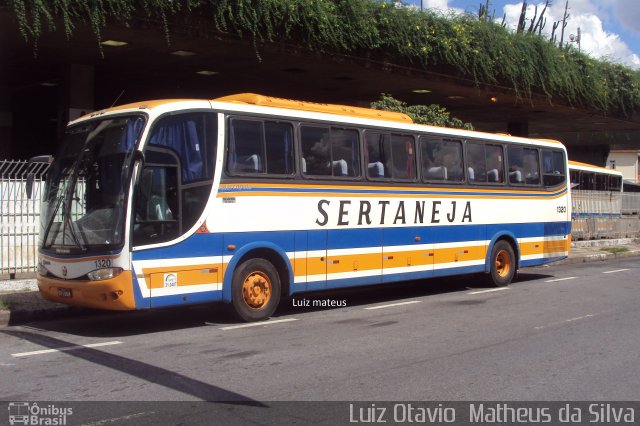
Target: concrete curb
{"x":44,"y":310}
{"x":598,"y":257}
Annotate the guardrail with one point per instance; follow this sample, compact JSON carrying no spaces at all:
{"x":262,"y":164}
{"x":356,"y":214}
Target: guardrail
{"x":19,"y":216}
{"x":599,"y":214}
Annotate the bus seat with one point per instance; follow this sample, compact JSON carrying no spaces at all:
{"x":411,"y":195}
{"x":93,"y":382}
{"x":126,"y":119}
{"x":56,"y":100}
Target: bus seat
{"x":493,"y":175}
{"x":249,"y":163}
{"x":376,"y":169}
{"x":304,"y":165}
{"x":532,"y":178}
{"x":157,"y":209}
{"x":471,"y":173}
{"x":340,"y":168}
{"x":515,"y":176}
{"x":437,"y":173}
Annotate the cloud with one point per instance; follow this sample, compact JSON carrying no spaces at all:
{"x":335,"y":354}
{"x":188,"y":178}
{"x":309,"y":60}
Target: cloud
{"x":628,"y":13}
{"x":442,"y":5}
{"x":583,"y":14}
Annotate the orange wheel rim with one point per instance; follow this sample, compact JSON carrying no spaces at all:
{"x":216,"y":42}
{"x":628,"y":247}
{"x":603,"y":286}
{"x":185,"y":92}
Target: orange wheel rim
{"x":256,"y":290}
{"x":503,"y":263}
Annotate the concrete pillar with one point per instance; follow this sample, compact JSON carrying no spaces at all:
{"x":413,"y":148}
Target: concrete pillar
{"x":77,"y":94}
{"x":6,"y":121}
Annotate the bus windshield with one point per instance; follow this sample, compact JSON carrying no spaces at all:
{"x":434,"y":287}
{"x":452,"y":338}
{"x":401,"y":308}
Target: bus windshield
{"x":86,"y":188}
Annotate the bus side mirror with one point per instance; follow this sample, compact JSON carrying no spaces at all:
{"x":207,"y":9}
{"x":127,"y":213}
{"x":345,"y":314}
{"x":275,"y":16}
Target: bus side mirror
{"x":31,"y":176}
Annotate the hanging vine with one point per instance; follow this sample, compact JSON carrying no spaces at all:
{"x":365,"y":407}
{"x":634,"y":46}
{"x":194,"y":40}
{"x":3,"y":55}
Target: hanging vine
{"x":465,"y":45}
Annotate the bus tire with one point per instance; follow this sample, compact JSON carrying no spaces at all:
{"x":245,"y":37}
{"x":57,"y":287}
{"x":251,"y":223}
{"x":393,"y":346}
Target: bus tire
{"x":255,"y":290}
{"x":502,"y":264}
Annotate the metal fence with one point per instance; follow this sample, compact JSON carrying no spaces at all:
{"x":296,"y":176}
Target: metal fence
{"x":595,"y":215}
{"x":19,"y":216}
{"x":599,"y":214}
{"x":630,"y":203}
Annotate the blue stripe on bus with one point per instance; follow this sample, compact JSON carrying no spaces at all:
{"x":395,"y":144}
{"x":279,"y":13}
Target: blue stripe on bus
{"x":584,"y":215}
{"x":351,"y":190}
{"x":202,"y":245}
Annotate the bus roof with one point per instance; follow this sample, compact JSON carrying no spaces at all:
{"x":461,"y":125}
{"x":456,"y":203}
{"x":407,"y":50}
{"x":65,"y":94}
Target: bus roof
{"x":262,"y":101}
{"x":575,"y":165}
{"x":350,"y":111}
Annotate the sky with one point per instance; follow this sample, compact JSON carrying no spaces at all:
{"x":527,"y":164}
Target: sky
{"x":609,"y":29}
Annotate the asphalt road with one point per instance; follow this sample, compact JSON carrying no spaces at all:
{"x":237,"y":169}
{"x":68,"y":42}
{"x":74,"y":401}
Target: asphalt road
{"x":559,"y":333}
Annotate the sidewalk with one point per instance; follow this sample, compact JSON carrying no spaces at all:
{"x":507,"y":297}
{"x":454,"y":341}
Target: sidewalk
{"x":20,"y":301}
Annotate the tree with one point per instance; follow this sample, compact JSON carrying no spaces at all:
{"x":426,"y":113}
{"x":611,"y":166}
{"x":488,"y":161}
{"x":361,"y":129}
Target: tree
{"x":433,"y":114}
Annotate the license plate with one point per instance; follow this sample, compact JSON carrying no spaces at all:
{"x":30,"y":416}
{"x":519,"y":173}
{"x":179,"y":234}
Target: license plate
{"x":64,"y":292}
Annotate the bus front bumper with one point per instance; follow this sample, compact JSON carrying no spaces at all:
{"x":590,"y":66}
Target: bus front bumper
{"x":113,"y":294}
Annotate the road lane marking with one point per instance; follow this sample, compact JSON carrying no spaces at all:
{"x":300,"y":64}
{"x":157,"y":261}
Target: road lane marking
{"x":613,"y":272}
{"x":258,"y":324}
{"x":566,"y":321}
{"x":491,"y":290}
{"x":67,"y":348}
{"x":560,"y":279}
{"x":391,"y":305}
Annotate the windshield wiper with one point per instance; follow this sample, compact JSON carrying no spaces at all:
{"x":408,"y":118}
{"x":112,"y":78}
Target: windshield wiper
{"x":51,"y":220}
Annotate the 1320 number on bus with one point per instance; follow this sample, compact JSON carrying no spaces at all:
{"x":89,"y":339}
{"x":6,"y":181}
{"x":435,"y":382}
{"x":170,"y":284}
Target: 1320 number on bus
{"x":103,"y":263}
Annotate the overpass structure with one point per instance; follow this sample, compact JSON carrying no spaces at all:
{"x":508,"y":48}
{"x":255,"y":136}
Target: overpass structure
{"x":42,"y":87}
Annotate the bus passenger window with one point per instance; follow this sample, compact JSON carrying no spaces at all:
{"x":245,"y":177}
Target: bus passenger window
{"x":523,"y":165}
{"x":316,"y":151}
{"x":279,"y":148}
{"x":495,"y":163}
{"x":531,"y":166}
{"x":246,"y":148}
{"x":329,"y":152}
{"x":404,"y":158}
{"x":376,"y":145}
{"x":553,"y":168}
{"x":156,"y":205}
{"x":441,"y":160}
{"x":476,"y":164}
{"x":390,"y":156}
{"x":345,"y":152}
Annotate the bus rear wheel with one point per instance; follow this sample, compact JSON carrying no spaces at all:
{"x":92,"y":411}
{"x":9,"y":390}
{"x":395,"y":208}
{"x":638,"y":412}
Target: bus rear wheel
{"x":502,"y":264}
{"x":255,"y":290}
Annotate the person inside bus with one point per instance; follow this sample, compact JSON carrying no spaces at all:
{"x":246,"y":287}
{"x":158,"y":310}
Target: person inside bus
{"x":375,"y":168}
{"x":316,"y":159}
{"x":495,"y":165}
{"x":530,"y":164}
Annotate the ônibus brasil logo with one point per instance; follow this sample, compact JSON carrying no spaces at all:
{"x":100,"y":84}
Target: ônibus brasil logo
{"x":25,"y":413}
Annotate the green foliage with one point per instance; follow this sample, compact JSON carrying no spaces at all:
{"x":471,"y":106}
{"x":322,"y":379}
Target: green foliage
{"x":4,"y":306}
{"x":434,"y":115}
{"x":463,"y":46}
{"x":615,"y":250}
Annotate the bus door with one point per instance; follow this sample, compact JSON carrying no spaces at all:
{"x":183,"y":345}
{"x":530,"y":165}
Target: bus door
{"x":174,"y":262}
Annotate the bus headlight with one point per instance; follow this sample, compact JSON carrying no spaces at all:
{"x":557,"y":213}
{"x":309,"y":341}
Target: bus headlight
{"x":104,"y":274}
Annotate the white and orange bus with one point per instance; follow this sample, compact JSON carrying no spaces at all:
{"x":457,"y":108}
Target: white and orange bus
{"x":245,"y":199}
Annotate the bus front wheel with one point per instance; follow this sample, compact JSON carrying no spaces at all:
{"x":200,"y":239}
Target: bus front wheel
{"x":255,"y":290}
{"x":502,"y":264}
